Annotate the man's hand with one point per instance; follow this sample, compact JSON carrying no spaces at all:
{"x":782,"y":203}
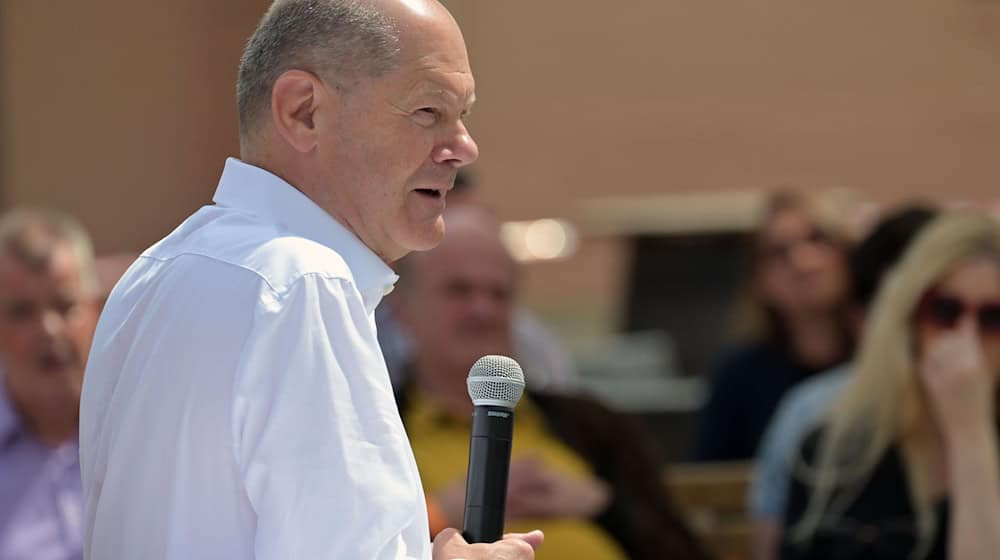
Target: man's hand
{"x":535,"y":491}
{"x":449,"y":545}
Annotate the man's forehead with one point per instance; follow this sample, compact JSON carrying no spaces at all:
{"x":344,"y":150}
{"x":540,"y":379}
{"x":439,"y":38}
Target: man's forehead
{"x":463,"y":257}
{"x":451,"y":89}
{"x":433,"y":48}
{"x":61,"y":272}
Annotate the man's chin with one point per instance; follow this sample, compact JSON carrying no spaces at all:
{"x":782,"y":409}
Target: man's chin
{"x":59,"y":371}
{"x":426,"y":238}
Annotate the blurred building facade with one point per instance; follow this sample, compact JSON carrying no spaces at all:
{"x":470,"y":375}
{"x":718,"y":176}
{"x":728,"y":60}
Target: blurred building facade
{"x":123,"y":111}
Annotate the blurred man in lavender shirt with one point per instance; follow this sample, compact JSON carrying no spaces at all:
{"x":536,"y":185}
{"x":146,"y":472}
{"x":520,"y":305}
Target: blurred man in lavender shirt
{"x":48,"y":313}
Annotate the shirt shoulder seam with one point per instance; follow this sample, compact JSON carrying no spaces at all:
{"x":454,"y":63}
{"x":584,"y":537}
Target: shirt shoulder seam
{"x":278,"y":291}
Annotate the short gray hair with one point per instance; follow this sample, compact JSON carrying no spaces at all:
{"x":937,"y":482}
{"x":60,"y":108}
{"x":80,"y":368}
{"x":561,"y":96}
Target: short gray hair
{"x":337,"y":39}
{"x":32,"y":237}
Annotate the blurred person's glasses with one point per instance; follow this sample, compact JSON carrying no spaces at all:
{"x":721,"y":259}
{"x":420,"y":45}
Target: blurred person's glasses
{"x":782,"y":250}
{"x":945,"y":312}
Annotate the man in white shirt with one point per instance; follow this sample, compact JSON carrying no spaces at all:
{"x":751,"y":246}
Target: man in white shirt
{"x":236,"y":403}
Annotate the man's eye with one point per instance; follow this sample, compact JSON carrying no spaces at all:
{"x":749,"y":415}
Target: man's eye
{"x":20,"y":311}
{"x":427,"y":115}
{"x":64,"y":306}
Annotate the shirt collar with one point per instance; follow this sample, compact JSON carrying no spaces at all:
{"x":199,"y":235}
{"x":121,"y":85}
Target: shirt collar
{"x":10,"y":422}
{"x":259,"y":192}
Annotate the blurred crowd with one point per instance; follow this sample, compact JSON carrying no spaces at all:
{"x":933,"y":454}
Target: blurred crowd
{"x":860,"y":392}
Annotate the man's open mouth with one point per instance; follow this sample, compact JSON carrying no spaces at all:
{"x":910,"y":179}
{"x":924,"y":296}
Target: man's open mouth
{"x":433,"y":193}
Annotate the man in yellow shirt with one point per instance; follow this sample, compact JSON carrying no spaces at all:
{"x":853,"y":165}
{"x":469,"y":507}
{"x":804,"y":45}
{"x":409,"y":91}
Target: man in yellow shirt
{"x":578,"y":472}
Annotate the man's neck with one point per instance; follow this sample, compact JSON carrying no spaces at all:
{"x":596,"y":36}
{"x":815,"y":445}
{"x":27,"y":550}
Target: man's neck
{"x":443,"y":386}
{"x":54,"y":430}
{"x":52,"y":418}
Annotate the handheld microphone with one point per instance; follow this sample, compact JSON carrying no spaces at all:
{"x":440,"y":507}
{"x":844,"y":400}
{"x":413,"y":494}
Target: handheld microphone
{"x":495,"y":385}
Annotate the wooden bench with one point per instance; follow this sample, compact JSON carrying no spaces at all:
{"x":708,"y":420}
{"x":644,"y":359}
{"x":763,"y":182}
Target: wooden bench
{"x":712,"y":497}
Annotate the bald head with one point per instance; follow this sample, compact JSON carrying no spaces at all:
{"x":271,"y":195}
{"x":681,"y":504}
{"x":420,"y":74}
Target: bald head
{"x":473,"y":233}
{"x":407,"y":12}
{"x":457,"y":299}
{"x":342,"y":41}
{"x":335,"y":38}
{"x":418,"y":21}
{"x":360,"y":105}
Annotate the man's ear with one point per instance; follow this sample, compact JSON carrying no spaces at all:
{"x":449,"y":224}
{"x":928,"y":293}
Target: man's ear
{"x":295,"y":97}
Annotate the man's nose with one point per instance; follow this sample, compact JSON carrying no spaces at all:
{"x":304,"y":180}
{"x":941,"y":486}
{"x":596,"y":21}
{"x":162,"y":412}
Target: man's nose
{"x":805,"y":256}
{"x":459,"y":149}
{"x":53,"y":323}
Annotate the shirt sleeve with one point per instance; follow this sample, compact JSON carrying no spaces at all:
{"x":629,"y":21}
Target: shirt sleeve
{"x":317,"y":436}
{"x":769,"y":489}
{"x":800,"y":412}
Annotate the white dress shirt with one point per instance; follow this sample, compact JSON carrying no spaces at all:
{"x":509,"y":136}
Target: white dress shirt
{"x":236,"y":404}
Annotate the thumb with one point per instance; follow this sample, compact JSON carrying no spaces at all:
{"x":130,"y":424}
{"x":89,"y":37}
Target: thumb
{"x":448,"y":537}
{"x":533,"y":538}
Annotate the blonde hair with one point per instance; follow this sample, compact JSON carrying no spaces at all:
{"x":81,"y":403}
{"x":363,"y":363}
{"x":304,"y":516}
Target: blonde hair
{"x":32,"y":236}
{"x":885,"y":403}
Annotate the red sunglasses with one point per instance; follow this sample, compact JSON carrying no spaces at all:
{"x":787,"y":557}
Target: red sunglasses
{"x":945,"y":312}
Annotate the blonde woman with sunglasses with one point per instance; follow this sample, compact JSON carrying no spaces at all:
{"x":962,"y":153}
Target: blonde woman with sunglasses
{"x":906,"y":463}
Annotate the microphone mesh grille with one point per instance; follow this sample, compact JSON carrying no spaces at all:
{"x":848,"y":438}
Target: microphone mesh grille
{"x":496,"y":380}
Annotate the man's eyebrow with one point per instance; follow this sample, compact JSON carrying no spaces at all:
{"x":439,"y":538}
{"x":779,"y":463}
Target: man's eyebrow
{"x":448,"y":93}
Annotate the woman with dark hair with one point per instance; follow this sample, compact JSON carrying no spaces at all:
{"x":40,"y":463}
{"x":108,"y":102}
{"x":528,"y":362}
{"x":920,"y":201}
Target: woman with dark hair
{"x":796,"y":324}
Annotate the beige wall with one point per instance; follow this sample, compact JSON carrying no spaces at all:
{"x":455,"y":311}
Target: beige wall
{"x":897,"y":99}
{"x":122,"y":111}
{"x":581,"y":99}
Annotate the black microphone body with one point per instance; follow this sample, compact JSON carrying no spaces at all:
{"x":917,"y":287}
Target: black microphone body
{"x":489,"y":465}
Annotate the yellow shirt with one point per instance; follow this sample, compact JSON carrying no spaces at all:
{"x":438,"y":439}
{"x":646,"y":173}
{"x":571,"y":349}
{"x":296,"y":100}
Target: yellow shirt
{"x":440,"y":444}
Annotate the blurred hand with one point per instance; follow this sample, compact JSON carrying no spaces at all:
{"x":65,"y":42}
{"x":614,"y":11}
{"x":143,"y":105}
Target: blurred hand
{"x":959,"y":385}
{"x":451,"y":501}
{"x":535,"y":491}
{"x":449,"y":545}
